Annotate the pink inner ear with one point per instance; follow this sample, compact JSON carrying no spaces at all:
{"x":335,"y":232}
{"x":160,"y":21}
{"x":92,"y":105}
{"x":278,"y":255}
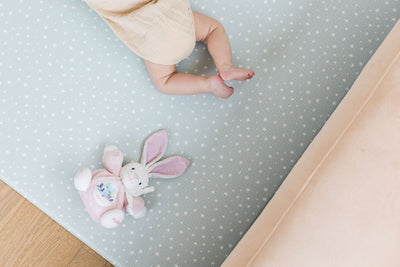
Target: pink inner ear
{"x":155,"y":147}
{"x":170,"y":167}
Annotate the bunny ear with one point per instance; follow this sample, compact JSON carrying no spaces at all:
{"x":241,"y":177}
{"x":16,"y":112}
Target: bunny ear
{"x":169,"y":168}
{"x":112,"y":159}
{"x":154,"y":148}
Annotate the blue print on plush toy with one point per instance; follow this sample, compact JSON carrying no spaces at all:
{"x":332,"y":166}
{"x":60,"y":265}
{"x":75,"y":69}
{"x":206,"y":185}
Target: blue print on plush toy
{"x":106,"y":191}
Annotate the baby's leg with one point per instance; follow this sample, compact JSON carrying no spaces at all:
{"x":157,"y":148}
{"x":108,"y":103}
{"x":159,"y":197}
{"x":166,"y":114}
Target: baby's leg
{"x":168,"y":81}
{"x":212,"y":33}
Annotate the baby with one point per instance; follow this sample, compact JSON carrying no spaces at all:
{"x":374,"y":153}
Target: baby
{"x":164,"y":32}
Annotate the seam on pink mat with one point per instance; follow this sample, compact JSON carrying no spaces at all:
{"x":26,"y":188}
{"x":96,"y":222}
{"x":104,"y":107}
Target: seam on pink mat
{"x":325,"y":157}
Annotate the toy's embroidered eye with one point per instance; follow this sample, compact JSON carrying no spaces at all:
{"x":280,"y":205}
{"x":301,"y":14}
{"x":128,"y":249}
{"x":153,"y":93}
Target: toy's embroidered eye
{"x":140,"y":183}
{"x":133,"y":169}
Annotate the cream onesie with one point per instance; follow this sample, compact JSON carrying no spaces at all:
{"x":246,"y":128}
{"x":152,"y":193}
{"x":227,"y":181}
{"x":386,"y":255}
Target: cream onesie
{"x":160,"y":31}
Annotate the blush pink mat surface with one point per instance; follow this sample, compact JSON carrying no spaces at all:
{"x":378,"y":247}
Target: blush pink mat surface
{"x":340,"y":205}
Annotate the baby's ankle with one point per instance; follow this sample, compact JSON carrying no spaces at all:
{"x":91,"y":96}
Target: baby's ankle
{"x":209,"y":85}
{"x":225,"y":67}
{"x":218,"y":87}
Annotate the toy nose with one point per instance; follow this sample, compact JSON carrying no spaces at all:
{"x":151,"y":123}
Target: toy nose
{"x":137,"y":176}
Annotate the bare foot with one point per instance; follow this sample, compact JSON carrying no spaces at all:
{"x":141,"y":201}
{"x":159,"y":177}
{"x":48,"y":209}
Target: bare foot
{"x":233,"y":73}
{"x":218,"y":87}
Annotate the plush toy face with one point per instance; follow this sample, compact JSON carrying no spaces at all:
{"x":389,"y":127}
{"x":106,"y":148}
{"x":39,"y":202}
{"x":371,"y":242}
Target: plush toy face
{"x":135,"y":178}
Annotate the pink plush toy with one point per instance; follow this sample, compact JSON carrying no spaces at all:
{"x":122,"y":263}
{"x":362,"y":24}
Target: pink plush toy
{"x":108,"y":192}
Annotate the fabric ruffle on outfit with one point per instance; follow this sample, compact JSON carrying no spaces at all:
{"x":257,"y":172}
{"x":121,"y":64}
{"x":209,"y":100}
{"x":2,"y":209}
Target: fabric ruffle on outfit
{"x":161,"y":31}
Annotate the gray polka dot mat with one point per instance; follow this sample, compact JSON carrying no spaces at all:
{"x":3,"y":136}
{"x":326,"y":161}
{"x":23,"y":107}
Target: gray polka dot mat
{"x":69,"y":87}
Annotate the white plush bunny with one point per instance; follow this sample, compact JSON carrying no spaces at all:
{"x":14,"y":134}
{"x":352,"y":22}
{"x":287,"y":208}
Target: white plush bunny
{"x":108,"y":192}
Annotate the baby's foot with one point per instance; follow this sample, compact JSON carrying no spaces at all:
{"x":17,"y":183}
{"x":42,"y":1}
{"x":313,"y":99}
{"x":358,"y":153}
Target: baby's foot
{"x":233,"y":73}
{"x":218,"y":87}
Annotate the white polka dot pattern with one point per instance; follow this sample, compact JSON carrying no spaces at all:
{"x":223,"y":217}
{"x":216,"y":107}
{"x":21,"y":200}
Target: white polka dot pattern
{"x":68,"y":87}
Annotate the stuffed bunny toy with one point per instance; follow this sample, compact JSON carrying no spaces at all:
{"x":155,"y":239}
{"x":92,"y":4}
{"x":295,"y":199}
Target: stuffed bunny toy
{"x":108,"y":192}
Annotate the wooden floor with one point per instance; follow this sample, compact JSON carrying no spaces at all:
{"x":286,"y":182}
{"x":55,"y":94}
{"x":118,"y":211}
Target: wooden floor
{"x":28,"y":237}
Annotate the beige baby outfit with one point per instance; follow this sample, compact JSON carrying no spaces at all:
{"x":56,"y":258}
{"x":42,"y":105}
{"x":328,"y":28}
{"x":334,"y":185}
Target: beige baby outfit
{"x":161,"y":31}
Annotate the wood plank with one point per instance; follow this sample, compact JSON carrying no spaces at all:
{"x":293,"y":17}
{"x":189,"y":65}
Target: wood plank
{"x":86,"y":257}
{"x":30,"y":237}
{"x":37,"y":240}
{"x":10,"y":202}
